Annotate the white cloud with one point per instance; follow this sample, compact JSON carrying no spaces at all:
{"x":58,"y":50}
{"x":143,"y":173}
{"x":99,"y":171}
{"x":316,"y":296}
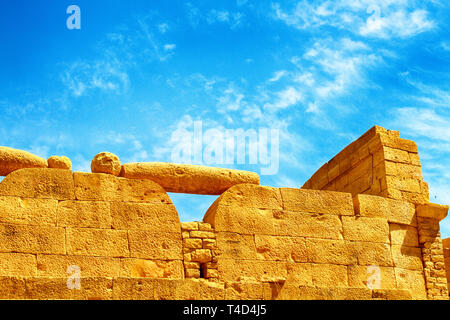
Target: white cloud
{"x":277,"y":76}
{"x":370,"y":18}
{"x":81,"y":77}
{"x":233,"y":19}
{"x":337,"y":66}
{"x":424,"y":123}
{"x":397,"y":24}
{"x":287,"y":97}
{"x":231,"y":100}
{"x":169,"y":47}
{"x":430,"y":95}
{"x":163,"y":27}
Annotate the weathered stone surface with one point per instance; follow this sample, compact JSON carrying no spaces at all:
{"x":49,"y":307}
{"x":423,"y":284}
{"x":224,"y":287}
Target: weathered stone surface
{"x":17,"y":265}
{"x":56,"y":288}
{"x":55,"y":266}
{"x":246,"y":220}
{"x":371,"y":277}
{"x":250,"y":196}
{"x":12,"y":288}
{"x":189,"y":226}
{"x":432,"y":210}
{"x":317,"y":201}
{"x":331,"y":251}
{"x":158,"y":246}
{"x":289,"y":292}
{"x":155,"y":217}
{"x":201,"y":255}
{"x":366,"y":229}
{"x":193,"y":243}
{"x":374,"y":253}
{"x":396,"y":211}
{"x":413,"y":281}
{"x":188,"y":289}
{"x":202,"y":234}
{"x":84,"y":214}
{"x":244,"y":291}
{"x":13,"y":159}
{"x":133,"y":289}
{"x":155,"y":269}
{"x":192,"y":273}
{"x":236,"y":246}
{"x":59,"y":162}
{"x":39,"y":183}
{"x":32,"y":239}
{"x":28,"y":211}
{"x":299,"y":274}
{"x":407,"y":257}
{"x":305,"y":224}
{"x":404,"y":235}
{"x":104,"y":187}
{"x":242,"y":220}
{"x":281,"y":248}
{"x":106,"y":162}
{"x":97,"y":242}
{"x":186,"y":178}
{"x":329,"y":275}
{"x":257,"y":270}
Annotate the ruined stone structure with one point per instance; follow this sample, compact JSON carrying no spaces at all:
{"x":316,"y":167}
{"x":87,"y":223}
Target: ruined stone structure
{"x":361,"y":228}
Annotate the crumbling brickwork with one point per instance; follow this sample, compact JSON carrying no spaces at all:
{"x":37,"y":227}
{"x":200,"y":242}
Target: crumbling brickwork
{"x":361,"y":228}
{"x":199,"y":250}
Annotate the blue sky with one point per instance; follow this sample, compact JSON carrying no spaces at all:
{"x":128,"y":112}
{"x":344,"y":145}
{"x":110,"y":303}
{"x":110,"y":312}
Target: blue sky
{"x":320,"y":72}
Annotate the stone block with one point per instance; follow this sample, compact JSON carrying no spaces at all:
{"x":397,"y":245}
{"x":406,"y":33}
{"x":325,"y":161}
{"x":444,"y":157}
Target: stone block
{"x":29,"y":211}
{"x":315,"y":201}
{"x":155,"y":246}
{"x":396,"y":211}
{"x":41,"y":183}
{"x":366,"y":229}
{"x":407,"y":257}
{"x":84,"y":214}
{"x":105,"y":187}
{"x":133,"y":289}
{"x":281,"y":248}
{"x":374,"y":253}
{"x":413,"y":281}
{"x":371,"y":277}
{"x":152,"y":217}
{"x":97,"y":242}
{"x":329,"y":275}
{"x":404,"y":235}
{"x":432,"y":210}
{"x":155,"y":269}
{"x":55,"y":266}
{"x":331,"y":251}
{"x":305,"y":224}
{"x":32,"y":239}
{"x":17,"y":265}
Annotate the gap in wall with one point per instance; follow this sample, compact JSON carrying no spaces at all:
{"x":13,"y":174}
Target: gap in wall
{"x":191,"y":207}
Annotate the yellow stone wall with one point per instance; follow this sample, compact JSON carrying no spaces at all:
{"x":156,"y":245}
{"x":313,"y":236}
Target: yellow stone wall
{"x":363,"y":217}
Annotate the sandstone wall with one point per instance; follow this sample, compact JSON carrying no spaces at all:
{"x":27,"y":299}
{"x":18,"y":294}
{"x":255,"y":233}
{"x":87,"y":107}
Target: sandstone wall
{"x":378,"y":163}
{"x":361,"y":228}
{"x":301,"y":242}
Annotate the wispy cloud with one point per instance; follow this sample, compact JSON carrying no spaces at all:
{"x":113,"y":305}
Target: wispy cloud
{"x":82,"y":77}
{"x":233,"y":19}
{"x":370,"y":18}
